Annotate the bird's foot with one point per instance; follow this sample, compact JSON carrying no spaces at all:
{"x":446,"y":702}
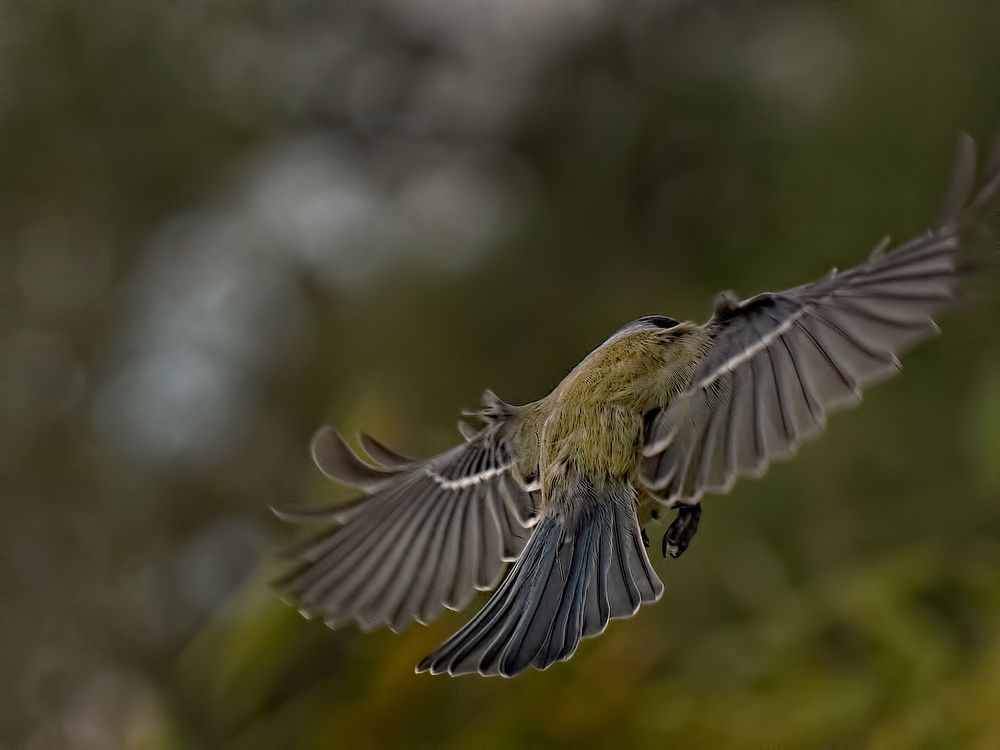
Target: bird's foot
{"x":680,"y":533}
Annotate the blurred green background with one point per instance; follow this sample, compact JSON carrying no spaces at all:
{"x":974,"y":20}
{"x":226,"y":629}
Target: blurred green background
{"x":227,"y":223}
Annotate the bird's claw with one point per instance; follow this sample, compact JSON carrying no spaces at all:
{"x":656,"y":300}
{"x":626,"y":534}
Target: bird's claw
{"x":680,"y":533}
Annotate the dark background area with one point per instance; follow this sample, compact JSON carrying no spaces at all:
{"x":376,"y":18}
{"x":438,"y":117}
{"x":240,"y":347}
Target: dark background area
{"x":227,"y":223}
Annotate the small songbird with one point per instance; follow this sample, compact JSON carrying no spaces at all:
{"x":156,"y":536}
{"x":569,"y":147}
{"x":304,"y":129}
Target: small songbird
{"x":657,"y":416}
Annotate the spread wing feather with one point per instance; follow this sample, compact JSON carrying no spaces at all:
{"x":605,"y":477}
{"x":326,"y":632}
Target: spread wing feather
{"x":777,"y":364}
{"x":425,"y":535}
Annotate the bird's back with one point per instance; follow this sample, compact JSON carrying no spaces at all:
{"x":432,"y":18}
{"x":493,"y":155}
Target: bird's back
{"x":593,"y":419}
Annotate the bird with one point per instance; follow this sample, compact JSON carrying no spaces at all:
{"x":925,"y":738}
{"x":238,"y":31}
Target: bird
{"x":661,"y":414}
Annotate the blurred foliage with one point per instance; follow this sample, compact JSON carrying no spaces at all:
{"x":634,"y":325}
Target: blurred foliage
{"x":225,"y":223}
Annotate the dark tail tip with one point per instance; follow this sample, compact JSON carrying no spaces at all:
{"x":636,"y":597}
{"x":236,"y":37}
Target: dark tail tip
{"x":574,"y":575}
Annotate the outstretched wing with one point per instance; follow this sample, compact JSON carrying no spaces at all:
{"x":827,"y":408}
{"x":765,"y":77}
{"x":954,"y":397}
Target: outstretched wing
{"x":778,"y":363}
{"x":427,"y":534}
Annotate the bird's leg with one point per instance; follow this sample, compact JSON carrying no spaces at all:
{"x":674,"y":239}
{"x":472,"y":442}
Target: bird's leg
{"x":680,"y":533}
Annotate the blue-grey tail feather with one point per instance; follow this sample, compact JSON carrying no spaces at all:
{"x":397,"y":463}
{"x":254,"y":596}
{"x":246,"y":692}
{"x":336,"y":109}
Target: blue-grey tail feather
{"x":584,"y":565}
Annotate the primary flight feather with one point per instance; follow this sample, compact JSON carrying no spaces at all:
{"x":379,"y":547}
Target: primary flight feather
{"x":658,"y":415}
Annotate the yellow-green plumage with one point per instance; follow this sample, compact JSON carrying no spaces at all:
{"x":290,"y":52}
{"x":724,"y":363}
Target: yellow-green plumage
{"x":592,"y":421}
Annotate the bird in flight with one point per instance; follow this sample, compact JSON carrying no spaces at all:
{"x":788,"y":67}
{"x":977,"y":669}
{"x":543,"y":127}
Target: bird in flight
{"x":654,"y":418}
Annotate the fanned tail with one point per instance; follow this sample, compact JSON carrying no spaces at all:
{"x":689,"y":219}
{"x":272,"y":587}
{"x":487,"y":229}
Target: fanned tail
{"x":584,"y":565}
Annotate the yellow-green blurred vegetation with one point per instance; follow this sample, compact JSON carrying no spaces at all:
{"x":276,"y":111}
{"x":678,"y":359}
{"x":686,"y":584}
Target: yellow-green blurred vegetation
{"x":227,"y":223}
